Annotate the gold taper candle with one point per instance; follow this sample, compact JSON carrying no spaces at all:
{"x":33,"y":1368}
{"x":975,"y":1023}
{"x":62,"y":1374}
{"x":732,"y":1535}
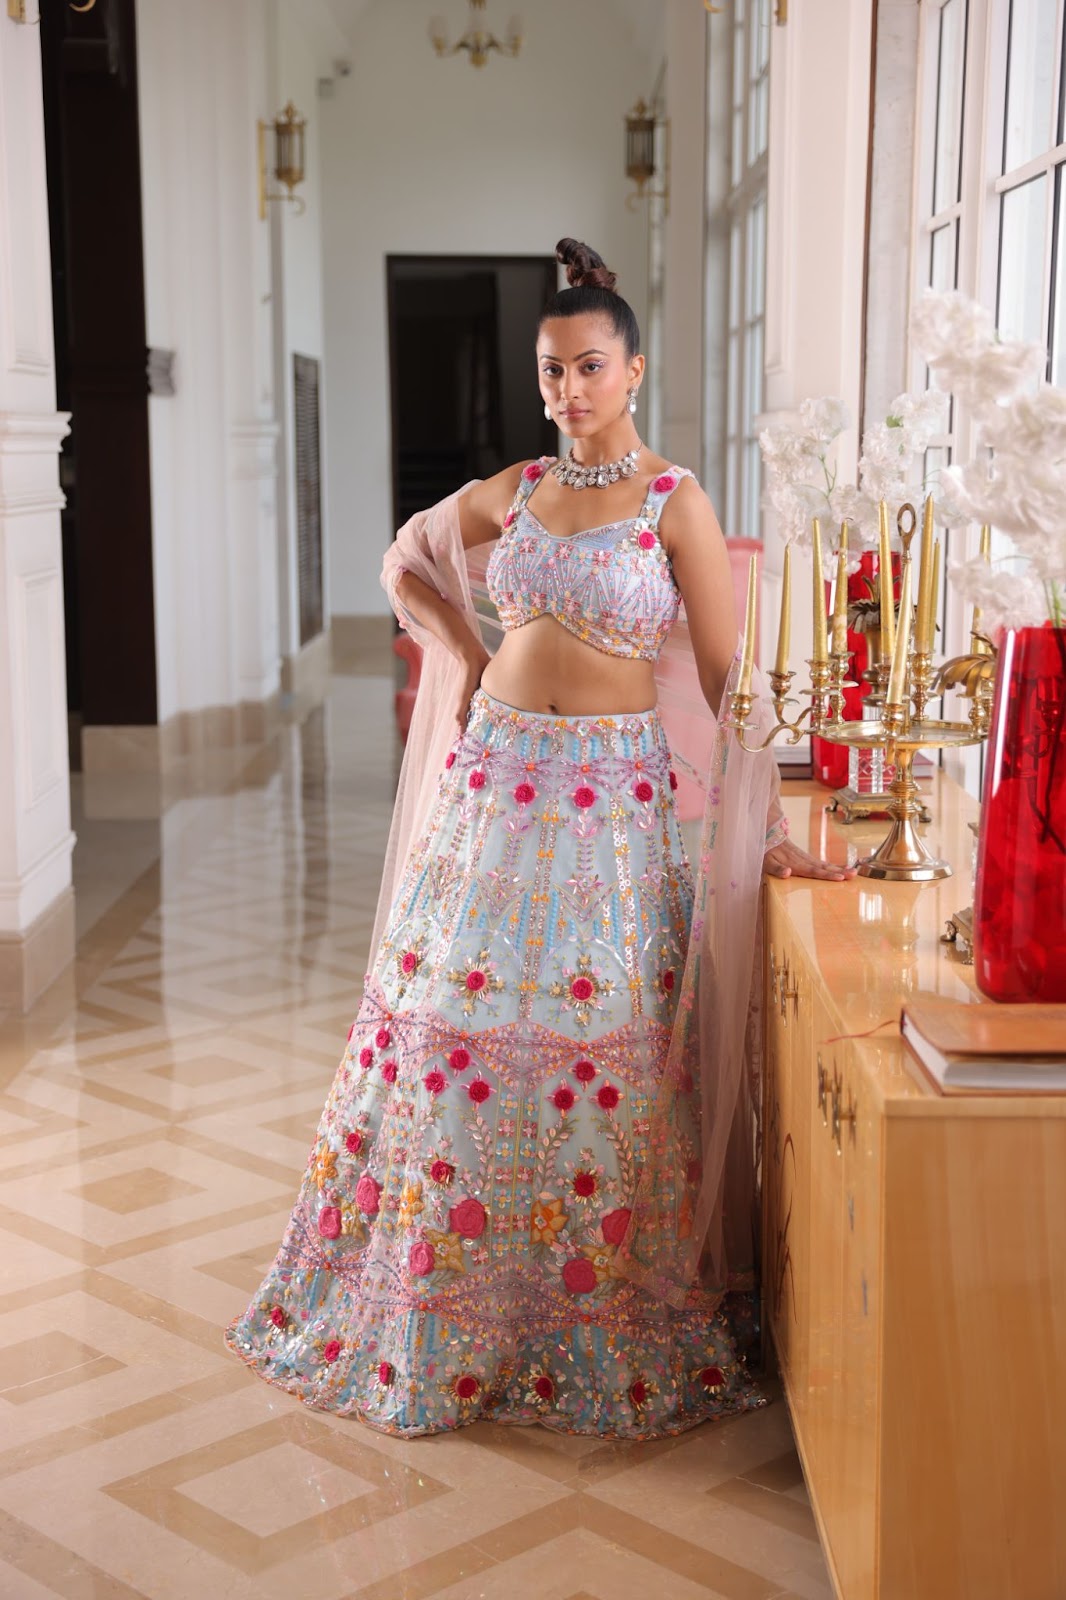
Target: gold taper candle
{"x":885,"y":586}
{"x":840,"y":597}
{"x":747,"y":656}
{"x":784,"y":628}
{"x":986,"y":551}
{"x":923,"y":627}
{"x":821,"y":645}
{"x":934,"y":605}
{"x":898,"y":677}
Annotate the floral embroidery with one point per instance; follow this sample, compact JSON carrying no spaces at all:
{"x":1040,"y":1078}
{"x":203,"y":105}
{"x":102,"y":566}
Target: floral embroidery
{"x":613,"y":1226}
{"x":441,"y":1172}
{"x":665,"y":483}
{"x":447,"y":1251}
{"x":459,"y":1059}
{"x":525,"y":794}
{"x":583,"y":990}
{"x":389,"y":1069}
{"x":330,"y":1222}
{"x":673,"y":778}
{"x":467,"y":1386}
{"x":638,"y":1392}
{"x":643,"y":791}
{"x":383,"y":1038}
{"x":411,"y":1204}
{"x":325,"y":1166}
{"x":368,"y":1195}
{"x":449,"y":761}
{"x":543,"y":1385}
{"x":607,"y":1096}
{"x":420,"y":1259}
{"x":712,"y":1377}
{"x":646,"y":539}
{"x":668,"y":980}
{"x":353,"y":1142}
{"x":585,"y":1184}
{"x":435,"y":1082}
{"x":478,"y":1090}
{"x":546,"y":1219}
{"x":467,"y":1219}
{"x":579,"y":1275}
{"x":584,"y":797}
{"x":563,"y":1098}
{"x":366,"y":1056}
{"x":278,"y":1317}
{"x":331,"y":1350}
{"x":385,"y":1374}
{"x":534,"y":471}
{"x":476,"y":779}
{"x":508,"y":519}
{"x":477,"y":982}
{"x":584,"y":1071}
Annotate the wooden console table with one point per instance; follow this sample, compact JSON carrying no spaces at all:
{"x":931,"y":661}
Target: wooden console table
{"x":914,"y":1248}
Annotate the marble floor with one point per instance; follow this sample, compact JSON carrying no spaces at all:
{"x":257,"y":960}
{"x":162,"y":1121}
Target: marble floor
{"x":156,"y":1108}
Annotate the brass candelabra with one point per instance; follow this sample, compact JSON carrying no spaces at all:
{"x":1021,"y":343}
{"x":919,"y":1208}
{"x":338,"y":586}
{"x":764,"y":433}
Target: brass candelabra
{"x":905,"y":680}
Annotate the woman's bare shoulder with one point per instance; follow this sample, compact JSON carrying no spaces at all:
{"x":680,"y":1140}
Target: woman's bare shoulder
{"x":484,"y":505}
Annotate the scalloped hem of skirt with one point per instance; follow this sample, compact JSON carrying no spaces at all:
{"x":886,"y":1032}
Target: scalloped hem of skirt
{"x":751,"y":1399}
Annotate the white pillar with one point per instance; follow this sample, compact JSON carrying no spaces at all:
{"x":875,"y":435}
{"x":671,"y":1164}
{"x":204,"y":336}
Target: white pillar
{"x":683,"y":289}
{"x":36,"y":900}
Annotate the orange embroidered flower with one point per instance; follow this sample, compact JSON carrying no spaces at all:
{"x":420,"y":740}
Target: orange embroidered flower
{"x":547,"y":1218}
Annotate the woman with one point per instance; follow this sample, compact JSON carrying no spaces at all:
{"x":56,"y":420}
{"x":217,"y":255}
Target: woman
{"x":530,"y":1196}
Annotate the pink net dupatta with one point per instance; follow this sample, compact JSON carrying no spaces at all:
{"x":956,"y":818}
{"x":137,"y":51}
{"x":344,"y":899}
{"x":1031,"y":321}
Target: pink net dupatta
{"x":430,"y":546}
{"x":694,"y":1223}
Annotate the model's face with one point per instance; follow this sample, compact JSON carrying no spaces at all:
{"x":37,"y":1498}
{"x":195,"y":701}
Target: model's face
{"x":585,"y":377}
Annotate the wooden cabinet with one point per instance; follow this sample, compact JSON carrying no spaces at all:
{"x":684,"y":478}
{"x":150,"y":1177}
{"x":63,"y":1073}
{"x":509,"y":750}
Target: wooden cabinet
{"x":914,"y":1264}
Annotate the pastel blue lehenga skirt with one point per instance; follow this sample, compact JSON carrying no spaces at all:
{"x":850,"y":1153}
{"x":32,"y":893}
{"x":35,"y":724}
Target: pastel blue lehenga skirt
{"x":452,"y":1252}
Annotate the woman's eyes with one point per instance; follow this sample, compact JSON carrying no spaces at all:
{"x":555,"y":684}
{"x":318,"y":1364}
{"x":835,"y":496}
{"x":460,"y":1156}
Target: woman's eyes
{"x":590,"y":366}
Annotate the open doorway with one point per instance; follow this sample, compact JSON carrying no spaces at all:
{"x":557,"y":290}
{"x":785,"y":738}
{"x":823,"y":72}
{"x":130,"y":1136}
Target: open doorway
{"x":465,"y":401}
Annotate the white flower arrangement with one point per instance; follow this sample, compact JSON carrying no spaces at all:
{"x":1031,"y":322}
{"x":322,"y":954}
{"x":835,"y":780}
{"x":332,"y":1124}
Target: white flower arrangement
{"x":802,"y":484}
{"x":1017,"y":481}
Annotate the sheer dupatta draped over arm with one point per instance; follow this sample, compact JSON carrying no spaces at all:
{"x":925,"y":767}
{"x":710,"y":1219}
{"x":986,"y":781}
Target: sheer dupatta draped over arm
{"x":694,"y":1225}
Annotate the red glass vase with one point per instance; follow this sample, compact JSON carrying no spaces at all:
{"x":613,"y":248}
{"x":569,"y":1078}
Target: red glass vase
{"x":1020,"y":885}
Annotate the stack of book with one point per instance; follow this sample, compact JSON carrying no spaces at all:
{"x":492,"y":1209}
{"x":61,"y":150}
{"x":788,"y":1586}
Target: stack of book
{"x":982,"y":1048}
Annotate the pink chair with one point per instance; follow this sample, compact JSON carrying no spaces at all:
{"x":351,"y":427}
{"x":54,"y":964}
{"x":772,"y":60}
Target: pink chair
{"x":404,"y":646}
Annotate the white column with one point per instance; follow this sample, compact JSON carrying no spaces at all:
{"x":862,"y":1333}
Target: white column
{"x":816,"y":240}
{"x":36,"y":901}
{"x":683,"y":290}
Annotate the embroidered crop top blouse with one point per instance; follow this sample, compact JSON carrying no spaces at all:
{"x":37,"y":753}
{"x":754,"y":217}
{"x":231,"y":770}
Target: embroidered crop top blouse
{"x":611,"y":586}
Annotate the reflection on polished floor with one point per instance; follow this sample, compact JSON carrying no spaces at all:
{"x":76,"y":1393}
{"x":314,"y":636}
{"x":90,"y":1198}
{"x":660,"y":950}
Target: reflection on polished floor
{"x":155,"y":1115}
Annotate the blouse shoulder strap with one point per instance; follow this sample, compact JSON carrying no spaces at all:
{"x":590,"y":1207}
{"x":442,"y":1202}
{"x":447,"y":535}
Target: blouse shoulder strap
{"x":660,"y":489}
{"x":527,"y":482}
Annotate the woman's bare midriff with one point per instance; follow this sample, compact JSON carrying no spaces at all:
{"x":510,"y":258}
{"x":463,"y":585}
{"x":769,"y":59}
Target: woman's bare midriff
{"x":542,"y":667}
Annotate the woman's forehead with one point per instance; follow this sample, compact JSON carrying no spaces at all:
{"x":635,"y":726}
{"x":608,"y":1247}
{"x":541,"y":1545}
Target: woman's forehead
{"x":570,"y":336}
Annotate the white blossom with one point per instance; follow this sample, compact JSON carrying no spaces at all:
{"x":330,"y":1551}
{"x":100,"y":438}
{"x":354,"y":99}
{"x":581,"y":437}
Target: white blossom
{"x":1007,"y":599}
{"x":824,"y":420}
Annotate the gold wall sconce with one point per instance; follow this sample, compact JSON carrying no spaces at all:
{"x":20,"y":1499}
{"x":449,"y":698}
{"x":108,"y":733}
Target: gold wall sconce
{"x":780,"y":10}
{"x":641,"y":125}
{"x":477,"y":41}
{"x":287,"y":129}
{"x":16,"y":10}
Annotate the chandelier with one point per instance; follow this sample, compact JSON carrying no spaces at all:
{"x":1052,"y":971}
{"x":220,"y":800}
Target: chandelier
{"x":477,"y":40}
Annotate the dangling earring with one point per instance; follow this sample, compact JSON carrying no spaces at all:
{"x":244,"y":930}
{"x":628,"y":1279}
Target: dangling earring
{"x":548,"y":412}
{"x":632,"y":402}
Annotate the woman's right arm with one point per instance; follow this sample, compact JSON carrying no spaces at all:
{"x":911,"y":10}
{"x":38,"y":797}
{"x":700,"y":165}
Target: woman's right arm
{"x":481,"y":512}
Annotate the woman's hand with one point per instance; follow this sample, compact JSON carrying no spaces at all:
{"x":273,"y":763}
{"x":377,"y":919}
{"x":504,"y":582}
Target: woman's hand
{"x":475,"y":660}
{"x":787,"y":860}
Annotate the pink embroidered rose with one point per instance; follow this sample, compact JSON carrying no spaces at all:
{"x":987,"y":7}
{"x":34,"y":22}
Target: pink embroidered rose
{"x":508,"y":519}
{"x":607,"y":1096}
{"x":584,"y":1183}
{"x":467,"y":1386}
{"x":646,"y":539}
{"x":435,"y":1081}
{"x":331,"y":1350}
{"x":475,"y":980}
{"x":353,"y":1142}
{"x":467,"y":1219}
{"x":383,"y":1038}
{"x":478,"y":1090}
{"x":385,"y":1373}
{"x":329,"y":1222}
{"x":366,"y":1056}
{"x":638,"y":1392}
{"x":442,"y":1172}
{"x":664,"y":484}
{"x":459,"y":1059}
{"x":533,"y":472}
{"x":669,"y":979}
{"x":712,"y":1377}
{"x":673,"y":778}
{"x":544,"y":1387}
{"x":525,"y":794}
{"x":389,"y":1070}
{"x":584,"y":796}
{"x":584,"y":1072}
{"x":476,"y":779}
{"x":694,"y":1171}
{"x":368,"y":1195}
{"x":278,"y":1317}
{"x":579,"y":1276}
{"x":420,"y":1259}
{"x":644,"y":791}
{"x":563,"y":1098}
{"x":582,"y":989}
{"x":449,"y":761}
{"x":613,"y":1226}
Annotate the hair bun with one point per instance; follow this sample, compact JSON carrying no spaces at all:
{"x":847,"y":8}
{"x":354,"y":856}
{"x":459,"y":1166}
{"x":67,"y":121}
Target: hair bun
{"x":584,"y":268}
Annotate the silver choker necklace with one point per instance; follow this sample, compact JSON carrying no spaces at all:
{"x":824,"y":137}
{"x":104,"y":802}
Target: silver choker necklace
{"x":576,"y":476}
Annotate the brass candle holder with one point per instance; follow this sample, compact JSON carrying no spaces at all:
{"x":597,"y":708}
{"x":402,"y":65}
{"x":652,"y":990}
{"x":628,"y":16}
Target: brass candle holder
{"x":905,"y":687}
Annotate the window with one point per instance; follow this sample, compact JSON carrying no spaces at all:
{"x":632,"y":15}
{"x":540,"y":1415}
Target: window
{"x":745,"y":205}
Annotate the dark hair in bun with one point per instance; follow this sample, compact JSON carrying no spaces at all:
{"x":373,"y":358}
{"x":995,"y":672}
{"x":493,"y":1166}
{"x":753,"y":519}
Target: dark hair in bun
{"x":592,"y":293}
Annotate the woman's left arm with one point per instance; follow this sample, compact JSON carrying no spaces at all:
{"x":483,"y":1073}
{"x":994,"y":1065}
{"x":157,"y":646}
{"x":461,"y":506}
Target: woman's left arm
{"x":693,"y":540}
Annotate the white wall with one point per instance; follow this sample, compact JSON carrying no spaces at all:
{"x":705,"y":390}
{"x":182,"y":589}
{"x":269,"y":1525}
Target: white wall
{"x":435,"y":157}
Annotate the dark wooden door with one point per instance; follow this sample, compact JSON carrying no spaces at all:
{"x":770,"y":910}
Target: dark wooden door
{"x":308,"y":496}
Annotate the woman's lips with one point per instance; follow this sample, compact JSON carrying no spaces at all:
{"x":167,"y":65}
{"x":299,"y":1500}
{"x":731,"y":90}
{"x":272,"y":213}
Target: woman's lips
{"x":571,"y":414}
